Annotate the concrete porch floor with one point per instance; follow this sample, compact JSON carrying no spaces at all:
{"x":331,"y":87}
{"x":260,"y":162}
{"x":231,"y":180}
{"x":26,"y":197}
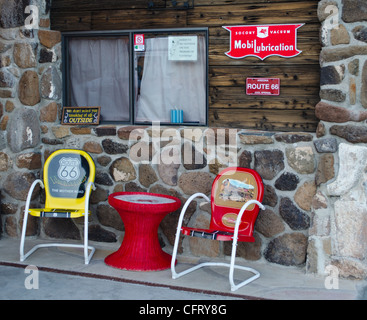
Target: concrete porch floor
{"x":75,"y":280}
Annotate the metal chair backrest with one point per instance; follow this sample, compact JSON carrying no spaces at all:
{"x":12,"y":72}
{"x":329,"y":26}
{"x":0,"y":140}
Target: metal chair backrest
{"x":66,"y":175}
{"x":231,"y":189}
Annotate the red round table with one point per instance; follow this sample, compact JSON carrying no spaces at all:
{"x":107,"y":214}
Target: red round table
{"x":141,"y":213}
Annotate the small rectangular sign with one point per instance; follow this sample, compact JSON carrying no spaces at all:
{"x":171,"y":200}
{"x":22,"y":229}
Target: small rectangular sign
{"x":139,"y":42}
{"x":263,"y":86}
{"x":80,"y":115}
{"x":182,"y":48}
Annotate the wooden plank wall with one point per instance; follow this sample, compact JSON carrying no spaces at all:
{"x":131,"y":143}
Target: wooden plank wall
{"x":229,"y":106}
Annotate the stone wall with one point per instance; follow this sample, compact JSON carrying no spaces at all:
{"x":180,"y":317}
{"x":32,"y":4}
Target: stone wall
{"x":305,"y":218}
{"x":337,"y":235}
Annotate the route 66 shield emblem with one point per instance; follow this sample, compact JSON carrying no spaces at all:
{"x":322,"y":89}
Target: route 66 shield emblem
{"x":69,"y":169}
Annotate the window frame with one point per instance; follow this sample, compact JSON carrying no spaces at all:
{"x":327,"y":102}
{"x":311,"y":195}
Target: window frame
{"x":66,"y":36}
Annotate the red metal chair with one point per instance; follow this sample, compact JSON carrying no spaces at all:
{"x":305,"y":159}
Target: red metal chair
{"x":236,"y":199}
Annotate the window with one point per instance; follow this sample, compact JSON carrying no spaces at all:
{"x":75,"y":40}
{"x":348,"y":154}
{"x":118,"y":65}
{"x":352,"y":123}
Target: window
{"x":138,"y":76}
{"x":98,"y":75}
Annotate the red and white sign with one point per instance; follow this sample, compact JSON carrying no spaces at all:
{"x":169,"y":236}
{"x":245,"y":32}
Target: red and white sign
{"x":263,"y":41}
{"x":263,"y":86}
{"x":139,"y":42}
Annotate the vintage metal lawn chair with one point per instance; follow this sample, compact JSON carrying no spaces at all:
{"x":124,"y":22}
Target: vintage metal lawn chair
{"x":236,"y":198}
{"x":68,"y":179}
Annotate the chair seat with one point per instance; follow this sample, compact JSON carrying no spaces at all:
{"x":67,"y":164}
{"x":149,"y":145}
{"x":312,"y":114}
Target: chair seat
{"x":214,"y":234}
{"x":57,"y":213}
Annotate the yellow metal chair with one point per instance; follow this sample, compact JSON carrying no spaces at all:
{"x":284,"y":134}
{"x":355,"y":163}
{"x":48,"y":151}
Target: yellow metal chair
{"x":68,"y":179}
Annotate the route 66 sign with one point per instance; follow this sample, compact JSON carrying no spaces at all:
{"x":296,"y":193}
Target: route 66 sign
{"x":67,"y":175}
{"x":69,"y":169}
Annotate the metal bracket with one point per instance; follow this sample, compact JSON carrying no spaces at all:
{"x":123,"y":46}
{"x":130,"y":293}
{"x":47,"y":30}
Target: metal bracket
{"x":186,"y":5}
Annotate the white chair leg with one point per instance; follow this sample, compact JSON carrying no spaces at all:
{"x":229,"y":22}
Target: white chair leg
{"x":25,"y":219}
{"x":85,"y":246}
{"x":86,"y":260}
{"x":174,"y":255}
{"x":22,"y":239}
{"x":176,"y":275}
{"x":234,"y":249}
{"x":87,"y":257}
{"x":231,"y":265}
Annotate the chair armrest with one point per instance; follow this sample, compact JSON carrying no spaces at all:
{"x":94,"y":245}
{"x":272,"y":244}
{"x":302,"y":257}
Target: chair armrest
{"x":243,"y":209}
{"x":187,"y":203}
{"x":88,"y":190}
{"x":30,"y":192}
{"x":90,"y":186}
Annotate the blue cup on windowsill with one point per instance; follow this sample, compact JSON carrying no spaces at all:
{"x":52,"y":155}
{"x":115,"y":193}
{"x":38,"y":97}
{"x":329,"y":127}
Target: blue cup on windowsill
{"x":176,"y":115}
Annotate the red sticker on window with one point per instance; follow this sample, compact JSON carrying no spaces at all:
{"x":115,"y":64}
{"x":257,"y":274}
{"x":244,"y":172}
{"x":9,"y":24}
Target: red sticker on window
{"x":139,"y":42}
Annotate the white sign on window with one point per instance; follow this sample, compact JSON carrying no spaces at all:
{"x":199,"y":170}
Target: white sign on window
{"x":182,"y":48}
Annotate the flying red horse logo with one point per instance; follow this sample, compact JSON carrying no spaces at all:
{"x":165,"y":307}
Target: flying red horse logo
{"x":262,"y":32}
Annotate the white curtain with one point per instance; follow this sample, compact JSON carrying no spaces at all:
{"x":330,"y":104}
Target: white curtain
{"x":168,"y":84}
{"x":99,"y":76}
